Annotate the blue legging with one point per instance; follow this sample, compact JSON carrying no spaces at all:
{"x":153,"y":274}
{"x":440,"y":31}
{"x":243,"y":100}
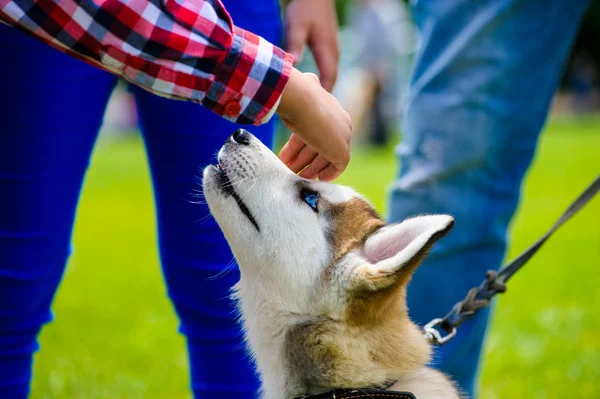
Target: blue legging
{"x":51,"y":112}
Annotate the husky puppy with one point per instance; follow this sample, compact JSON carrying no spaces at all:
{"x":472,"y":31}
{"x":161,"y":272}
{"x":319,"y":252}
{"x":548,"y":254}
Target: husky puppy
{"x":323,"y":278}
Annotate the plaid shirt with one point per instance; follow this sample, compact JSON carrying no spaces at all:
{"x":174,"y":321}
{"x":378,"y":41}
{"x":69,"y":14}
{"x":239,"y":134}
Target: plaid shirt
{"x":182,"y":49}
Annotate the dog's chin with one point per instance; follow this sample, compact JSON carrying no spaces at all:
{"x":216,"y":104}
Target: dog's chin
{"x":213,"y":183}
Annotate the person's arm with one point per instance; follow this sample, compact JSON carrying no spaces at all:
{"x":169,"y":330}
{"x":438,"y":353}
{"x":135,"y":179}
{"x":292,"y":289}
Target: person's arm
{"x":190,"y":50}
{"x":181,"y":49}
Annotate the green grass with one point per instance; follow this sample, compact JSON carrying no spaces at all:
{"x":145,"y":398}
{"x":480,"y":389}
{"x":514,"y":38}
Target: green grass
{"x":115,"y":333}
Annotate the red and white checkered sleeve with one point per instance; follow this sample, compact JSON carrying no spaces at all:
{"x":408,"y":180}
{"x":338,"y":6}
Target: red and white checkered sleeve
{"x":181,"y":49}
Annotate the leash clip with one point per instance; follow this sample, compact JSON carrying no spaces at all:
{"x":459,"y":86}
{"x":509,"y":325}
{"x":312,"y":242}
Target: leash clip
{"x":433,"y":335}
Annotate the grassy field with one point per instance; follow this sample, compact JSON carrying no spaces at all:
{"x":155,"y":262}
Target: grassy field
{"x":116,"y":339}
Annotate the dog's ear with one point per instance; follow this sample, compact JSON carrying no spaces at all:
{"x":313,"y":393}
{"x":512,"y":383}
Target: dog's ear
{"x":395,"y":251}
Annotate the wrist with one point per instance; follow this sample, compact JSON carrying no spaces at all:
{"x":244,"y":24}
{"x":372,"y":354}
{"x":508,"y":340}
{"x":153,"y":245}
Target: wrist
{"x":292,"y":96}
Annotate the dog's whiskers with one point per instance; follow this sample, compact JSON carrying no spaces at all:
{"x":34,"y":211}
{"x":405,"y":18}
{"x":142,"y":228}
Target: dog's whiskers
{"x":237,"y":182}
{"x":200,"y":198}
{"x":234,"y":183}
{"x":229,"y":267}
{"x":269,"y":264}
{"x":203,"y":219}
{"x":253,"y":184}
{"x":201,"y":202}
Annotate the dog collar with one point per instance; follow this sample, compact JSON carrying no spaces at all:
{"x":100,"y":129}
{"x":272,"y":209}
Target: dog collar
{"x":359,"y":393}
{"x":356,"y":393}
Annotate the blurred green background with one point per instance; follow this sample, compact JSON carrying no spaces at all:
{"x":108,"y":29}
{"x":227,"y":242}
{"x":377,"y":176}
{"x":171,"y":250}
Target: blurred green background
{"x":114,"y":339}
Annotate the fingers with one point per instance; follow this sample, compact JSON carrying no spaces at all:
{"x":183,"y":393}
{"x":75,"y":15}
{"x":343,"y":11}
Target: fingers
{"x":297,"y":155}
{"x":331,"y":172}
{"x":327,"y":60}
{"x":297,"y":35}
{"x":313,"y":170}
{"x":304,"y":158}
{"x":338,"y":165}
{"x":291,"y":149}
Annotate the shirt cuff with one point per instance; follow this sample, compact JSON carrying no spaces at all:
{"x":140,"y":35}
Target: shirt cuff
{"x":249,"y":81}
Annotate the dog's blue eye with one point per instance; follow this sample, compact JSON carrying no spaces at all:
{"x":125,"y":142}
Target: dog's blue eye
{"x":312,"y":199}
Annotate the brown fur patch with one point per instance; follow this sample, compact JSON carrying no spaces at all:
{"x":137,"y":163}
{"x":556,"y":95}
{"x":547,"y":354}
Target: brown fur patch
{"x":368,"y":306}
{"x":352,"y":222}
{"x":333,"y":354}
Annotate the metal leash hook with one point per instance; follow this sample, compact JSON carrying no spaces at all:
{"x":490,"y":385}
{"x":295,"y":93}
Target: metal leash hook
{"x":433,"y":335}
{"x":495,"y":282}
{"x":476,"y":299}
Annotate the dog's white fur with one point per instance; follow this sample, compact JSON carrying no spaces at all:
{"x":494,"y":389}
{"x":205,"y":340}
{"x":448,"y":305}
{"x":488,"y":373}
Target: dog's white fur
{"x":293,"y":277}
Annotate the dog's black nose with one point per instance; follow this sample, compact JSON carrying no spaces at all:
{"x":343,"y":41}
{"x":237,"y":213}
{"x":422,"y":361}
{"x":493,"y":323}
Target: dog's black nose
{"x":241,"y":136}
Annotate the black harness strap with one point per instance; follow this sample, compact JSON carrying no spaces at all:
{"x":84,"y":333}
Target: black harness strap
{"x":360,"y":393}
{"x":495,"y":282}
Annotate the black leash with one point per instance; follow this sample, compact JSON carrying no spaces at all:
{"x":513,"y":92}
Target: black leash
{"x":495,"y":282}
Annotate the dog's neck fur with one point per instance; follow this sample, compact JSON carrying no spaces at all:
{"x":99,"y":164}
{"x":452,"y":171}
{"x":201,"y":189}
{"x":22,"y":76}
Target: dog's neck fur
{"x":298,"y":354}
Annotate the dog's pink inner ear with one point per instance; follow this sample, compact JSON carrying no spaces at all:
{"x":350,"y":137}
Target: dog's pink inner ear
{"x":393,"y":252}
{"x":387,"y":244}
{"x":393,"y":239}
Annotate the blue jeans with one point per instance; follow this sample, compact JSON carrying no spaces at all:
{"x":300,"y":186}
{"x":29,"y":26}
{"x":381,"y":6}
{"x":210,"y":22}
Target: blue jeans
{"x":52,"y":109}
{"x":483,"y":82}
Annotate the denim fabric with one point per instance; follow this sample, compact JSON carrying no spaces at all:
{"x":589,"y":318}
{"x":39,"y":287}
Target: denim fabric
{"x":484,"y":78}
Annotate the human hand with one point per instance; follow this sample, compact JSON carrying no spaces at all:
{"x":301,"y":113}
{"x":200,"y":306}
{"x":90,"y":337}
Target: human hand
{"x":321,"y":129}
{"x":314,"y":22}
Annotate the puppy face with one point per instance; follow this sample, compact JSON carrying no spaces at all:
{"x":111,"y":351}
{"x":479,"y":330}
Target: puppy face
{"x":313,"y":245}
